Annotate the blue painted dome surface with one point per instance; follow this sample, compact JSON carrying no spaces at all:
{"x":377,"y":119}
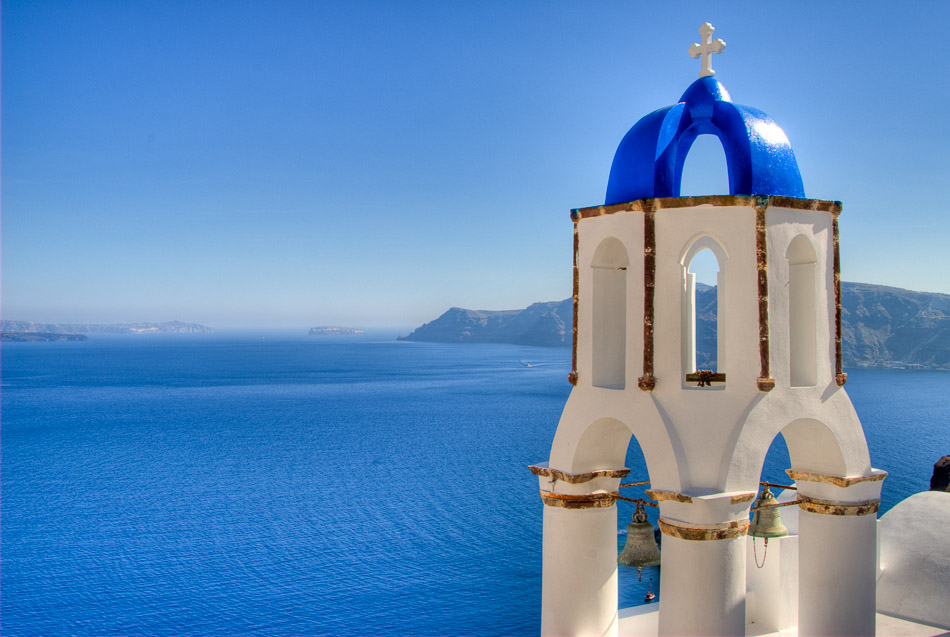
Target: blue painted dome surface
{"x":649,"y":160}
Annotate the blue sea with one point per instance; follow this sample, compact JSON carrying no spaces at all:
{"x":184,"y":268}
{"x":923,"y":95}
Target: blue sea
{"x":293,"y":485}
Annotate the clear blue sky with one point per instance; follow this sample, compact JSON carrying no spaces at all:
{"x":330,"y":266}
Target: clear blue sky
{"x":371,"y":164}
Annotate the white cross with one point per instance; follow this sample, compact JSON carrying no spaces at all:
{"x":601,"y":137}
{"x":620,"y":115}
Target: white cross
{"x":706,"y":48}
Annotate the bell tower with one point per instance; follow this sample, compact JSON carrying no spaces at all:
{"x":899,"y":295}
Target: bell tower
{"x":705,"y":433}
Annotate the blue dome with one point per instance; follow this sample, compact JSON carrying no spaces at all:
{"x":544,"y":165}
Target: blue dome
{"x":649,"y":160}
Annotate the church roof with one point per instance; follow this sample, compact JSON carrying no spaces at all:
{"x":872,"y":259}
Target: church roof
{"x":649,"y":160}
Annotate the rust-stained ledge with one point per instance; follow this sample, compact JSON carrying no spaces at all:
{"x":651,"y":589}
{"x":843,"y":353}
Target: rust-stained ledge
{"x":577,"y":478}
{"x":808,"y":476}
{"x":719,"y":532}
{"x":660,"y":496}
{"x":742,"y":497}
{"x":586,"y":501}
{"x":826,"y":507}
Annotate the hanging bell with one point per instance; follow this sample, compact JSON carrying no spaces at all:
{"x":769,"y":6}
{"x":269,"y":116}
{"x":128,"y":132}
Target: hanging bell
{"x":640,"y":549}
{"x":766,"y":521}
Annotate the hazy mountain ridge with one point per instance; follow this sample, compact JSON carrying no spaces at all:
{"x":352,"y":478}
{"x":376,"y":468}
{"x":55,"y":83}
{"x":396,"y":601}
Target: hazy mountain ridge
{"x":168,"y":327}
{"x":881,"y":326}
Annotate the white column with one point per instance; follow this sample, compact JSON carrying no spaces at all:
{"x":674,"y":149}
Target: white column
{"x":702,"y":586}
{"x":579,"y":580}
{"x":837,"y":574}
{"x":838,"y":556}
{"x":703,"y":562}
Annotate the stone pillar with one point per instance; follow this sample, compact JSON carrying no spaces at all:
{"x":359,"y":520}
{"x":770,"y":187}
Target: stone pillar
{"x":579,"y":557}
{"x":837,"y":564}
{"x":702,"y":586}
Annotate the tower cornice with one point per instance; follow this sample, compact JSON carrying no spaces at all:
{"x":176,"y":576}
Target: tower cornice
{"x":671,"y":203}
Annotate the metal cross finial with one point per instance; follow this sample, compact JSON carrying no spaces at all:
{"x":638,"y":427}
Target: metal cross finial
{"x":706,"y":48}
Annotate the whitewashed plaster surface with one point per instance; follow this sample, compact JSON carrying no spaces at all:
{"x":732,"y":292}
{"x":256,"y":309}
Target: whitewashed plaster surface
{"x":914,"y":581}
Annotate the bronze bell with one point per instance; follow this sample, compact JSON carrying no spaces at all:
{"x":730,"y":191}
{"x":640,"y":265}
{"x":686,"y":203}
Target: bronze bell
{"x":766,"y":522}
{"x":640,"y":548}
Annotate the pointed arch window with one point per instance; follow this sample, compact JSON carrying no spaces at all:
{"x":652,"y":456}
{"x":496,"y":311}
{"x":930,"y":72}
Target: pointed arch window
{"x":802,"y":320}
{"x":610,"y":314}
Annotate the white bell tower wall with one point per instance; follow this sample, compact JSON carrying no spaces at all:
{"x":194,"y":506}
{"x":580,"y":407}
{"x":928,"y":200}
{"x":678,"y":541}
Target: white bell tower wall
{"x":704,"y":434}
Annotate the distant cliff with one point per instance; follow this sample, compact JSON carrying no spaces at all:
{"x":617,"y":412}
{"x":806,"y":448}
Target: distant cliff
{"x":538,"y":324}
{"x":891,"y":327}
{"x":882,"y":326}
{"x":168,"y":327}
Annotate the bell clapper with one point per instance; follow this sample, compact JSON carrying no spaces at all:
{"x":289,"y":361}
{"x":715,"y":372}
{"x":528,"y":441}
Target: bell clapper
{"x":639,"y":573}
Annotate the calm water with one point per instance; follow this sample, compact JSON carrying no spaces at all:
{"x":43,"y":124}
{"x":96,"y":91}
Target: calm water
{"x":293,"y":486}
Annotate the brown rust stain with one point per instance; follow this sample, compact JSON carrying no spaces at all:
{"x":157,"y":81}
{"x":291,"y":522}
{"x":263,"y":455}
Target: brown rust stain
{"x":572,"y":377}
{"x":647,"y":382}
{"x":672,"y":496}
{"x":577,"y":478}
{"x":588,"y":501}
{"x":840,"y":377}
{"x":808,"y":476}
{"x":762,"y":281}
{"x":742,"y":497}
{"x":724,"y":532}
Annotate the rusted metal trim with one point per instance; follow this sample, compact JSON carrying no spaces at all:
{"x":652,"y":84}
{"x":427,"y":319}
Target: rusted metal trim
{"x":825,"y":507}
{"x":762,"y":279}
{"x":667,"y":203}
{"x":577,"y":478}
{"x":780,"y":486}
{"x":572,"y":377}
{"x":762,"y":507}
{"x":617,"y":496}
{"x":719,"y":532}
{"x":586,"y":501}
{"x":840,"y":377}
{"x":647,"y":382}
{"x":661,"y":496}
{"x":808,"y":476}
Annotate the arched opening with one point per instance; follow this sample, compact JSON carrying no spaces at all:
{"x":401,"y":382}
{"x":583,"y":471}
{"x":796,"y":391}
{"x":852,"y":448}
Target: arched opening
{"x":705,"y":171}
{"x":632,"y":586}
{"x":773,"y":565}
{"x":703,"y":295}
{"x":609,"y":314}
{"x":802,"y":323}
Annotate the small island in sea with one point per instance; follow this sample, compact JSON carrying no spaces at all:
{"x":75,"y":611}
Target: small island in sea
{"x":47,"y":330}
{"x":329,"y":330}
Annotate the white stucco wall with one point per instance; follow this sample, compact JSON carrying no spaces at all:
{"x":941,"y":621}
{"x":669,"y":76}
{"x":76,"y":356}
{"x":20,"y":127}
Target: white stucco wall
{"x":914,"y":580}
